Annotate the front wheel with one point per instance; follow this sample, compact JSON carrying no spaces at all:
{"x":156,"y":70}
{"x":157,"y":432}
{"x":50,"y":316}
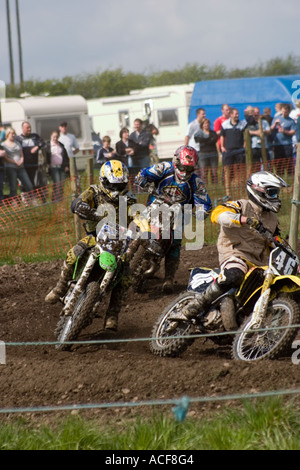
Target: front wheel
{"x":274,"y":335}
{"x":168,"y":341}
{"x":69,"y":327}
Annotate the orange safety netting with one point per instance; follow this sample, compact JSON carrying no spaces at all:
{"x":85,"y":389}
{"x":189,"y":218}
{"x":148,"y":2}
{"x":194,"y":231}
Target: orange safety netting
{"x":40,"y":223}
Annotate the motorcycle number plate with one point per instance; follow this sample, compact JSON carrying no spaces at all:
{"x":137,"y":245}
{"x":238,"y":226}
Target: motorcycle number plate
{"x":283,"y":263}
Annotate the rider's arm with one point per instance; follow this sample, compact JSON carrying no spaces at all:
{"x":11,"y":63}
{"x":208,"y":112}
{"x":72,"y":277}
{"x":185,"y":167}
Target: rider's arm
{"x":84,"y":206}
{"x":152,"y":174}
{"x":228,"y":215}
{"x":200,"y":195}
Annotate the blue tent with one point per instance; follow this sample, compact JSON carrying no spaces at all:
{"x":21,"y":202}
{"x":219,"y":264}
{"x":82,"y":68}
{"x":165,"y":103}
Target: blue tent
{"x":241,"y":92}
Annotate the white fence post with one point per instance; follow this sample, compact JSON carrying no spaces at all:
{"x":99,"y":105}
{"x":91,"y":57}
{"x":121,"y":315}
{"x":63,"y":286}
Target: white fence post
{"x":2,"y":353}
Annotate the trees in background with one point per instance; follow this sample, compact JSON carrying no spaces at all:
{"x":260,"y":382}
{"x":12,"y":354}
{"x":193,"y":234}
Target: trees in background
{"x":117,"y":82}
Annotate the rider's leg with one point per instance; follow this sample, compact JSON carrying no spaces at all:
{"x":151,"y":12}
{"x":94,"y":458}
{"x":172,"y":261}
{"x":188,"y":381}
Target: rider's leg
{"x":172,"y":260}
{"x":229,"y":277}
{"x":68,"y":268}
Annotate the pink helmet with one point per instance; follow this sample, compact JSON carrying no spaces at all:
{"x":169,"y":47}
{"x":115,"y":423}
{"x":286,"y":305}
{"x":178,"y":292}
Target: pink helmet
{"x":185,"y":160}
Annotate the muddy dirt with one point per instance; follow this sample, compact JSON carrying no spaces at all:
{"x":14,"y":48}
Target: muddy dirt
{"x":38,"y":376}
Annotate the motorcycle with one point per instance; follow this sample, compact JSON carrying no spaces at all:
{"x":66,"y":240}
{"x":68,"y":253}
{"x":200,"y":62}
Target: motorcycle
{"x":155,"y":236}
{"x":97,"y":272}
{"x":266,"y":306}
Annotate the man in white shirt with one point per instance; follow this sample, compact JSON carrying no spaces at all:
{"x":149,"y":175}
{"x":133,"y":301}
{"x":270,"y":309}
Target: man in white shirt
{"x":68,"y":140}
{"x":194,"y":127}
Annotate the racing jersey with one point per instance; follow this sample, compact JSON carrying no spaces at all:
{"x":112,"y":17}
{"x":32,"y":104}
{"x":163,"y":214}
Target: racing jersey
{"x":240,"y":240}
{"x":85,"y":206}
{"x":183,"y":192}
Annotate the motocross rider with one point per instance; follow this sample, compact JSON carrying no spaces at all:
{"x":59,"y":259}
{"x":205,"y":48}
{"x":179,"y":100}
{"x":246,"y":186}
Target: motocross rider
{"x":178,"y":181}
{"x":113,"y":180}
{"x":239,"y":246}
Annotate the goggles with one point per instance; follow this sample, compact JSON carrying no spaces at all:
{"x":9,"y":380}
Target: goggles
{"x":186,"y":168}
{"x":272,"y":193}
{"x":115,"y":186}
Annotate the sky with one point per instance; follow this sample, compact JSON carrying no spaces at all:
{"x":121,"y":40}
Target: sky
{"x":73,"y":37}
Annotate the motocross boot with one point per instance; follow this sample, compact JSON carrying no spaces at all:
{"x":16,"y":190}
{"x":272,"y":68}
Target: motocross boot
{"x":114,"y":308}
{"x":171,"y":266}
{"x":199,"y":303}
{"x":111,"y":321}
{"x":62,"y":285}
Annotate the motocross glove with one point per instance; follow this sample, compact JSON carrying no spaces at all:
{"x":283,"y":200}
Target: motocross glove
{"x":254,"y":223}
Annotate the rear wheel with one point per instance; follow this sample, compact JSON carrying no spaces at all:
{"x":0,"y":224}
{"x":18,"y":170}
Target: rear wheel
{"x":168,"y":337}
{"x":268,"y":343}
{"x":69,"y":327}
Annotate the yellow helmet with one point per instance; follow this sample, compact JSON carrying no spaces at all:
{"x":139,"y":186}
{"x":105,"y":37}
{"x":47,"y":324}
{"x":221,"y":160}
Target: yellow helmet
{"x":113,"y":178}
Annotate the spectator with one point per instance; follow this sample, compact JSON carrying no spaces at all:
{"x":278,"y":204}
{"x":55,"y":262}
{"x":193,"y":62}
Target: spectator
{"x":208,"y":154}
{"x":141,"y":139}
{"x":106,"y":152}
{"x":194,"y":127}
{"x":284,"y":129}
{"x":267,"y":116}
{"x":153,"y":146}
{"x":298,"y":129}
{"x":278,"y":108}
{"x":97,"y":142}
{"x":14,"y":163}
{"x":31,"y":143}
{"x":219,"y":121}
{"x":2,"y":133}
{"x":295,"y":113}
{"x":256,"y":144}
{"x":58,"y":164}
{"x":233,"y":149}
{"x":68,"y":140}
{"x":2,"y":174}
{"x":125,"y":147}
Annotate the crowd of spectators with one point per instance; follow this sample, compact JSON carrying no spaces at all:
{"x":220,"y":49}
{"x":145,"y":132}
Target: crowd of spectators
{"x":222,"y":141}
{"x":271,"y":139}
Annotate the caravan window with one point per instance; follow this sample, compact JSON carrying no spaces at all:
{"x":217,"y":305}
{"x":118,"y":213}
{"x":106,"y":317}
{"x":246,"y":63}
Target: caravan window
{"x":45,"y":126}
{"x":167,"y":117}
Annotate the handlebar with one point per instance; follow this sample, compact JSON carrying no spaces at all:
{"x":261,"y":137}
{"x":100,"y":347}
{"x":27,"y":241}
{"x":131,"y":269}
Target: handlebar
{"x":275,"y":241}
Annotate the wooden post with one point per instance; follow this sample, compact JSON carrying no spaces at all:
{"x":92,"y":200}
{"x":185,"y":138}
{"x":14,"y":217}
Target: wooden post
{"x":263,"y":147}
{"x":248,"y":149}
{"x":293,"y":236}
{"x":90,"y":170}
{"x":74,"y":186}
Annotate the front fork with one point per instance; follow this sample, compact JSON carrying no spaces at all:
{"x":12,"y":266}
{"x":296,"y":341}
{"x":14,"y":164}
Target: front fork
{"x":261,"y":305}
{"x":78,"y":289}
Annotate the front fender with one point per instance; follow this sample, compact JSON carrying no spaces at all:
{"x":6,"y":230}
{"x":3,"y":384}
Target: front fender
{"x":283,"y":283}
{"x":288,"y":283}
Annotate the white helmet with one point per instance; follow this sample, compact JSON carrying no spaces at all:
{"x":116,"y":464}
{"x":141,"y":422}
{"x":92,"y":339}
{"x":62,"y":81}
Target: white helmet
{"x":264,"y":188}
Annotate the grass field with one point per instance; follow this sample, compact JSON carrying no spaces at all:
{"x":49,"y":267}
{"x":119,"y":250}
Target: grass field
{"x":270,"y":424}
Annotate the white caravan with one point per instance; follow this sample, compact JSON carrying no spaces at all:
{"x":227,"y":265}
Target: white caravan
{"x":167,"y":107}
{"x":46,"y":113}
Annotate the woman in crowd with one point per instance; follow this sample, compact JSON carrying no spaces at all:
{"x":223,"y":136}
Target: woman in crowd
{"x":14,"y":164}
{"x":58,"y":163}
{"x":208,"y":154}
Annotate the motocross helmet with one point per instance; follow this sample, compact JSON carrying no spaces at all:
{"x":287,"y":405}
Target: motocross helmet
{"x":184,"y":161}
{"x":263,"y":188}
{"x":113,"y":178}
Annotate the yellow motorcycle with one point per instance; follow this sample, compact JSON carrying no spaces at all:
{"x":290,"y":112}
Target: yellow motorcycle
{"x":266,"y":306}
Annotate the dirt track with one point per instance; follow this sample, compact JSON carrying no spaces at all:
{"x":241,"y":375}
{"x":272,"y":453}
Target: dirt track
{"x":40,"y":375}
